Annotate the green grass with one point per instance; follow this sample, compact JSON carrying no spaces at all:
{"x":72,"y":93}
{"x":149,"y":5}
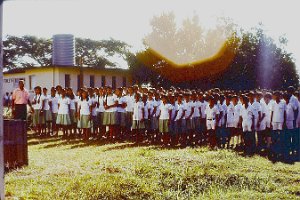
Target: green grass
{"x":76,"y":170}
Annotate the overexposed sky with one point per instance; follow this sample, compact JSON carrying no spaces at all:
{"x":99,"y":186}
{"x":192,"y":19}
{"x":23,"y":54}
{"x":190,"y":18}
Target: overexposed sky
{"x":128,"y":20}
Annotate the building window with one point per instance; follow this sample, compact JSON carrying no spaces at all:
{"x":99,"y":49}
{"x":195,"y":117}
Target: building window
{"x":78,"y":82}
{"x":124,"y":81}
{"x":31,"y":82}
{"x":113,"y":82}
{"x":67,"y":80}
{"x":92,"y":81}
{"x":103,"y":82}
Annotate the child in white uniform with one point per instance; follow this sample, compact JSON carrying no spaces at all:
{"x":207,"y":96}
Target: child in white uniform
{"x":38,"y":115}
{"x":53,"y":102}
{"x":247,"y":117}
{"x":63,"y":117}
{"x":138,"y":125}
{"x":212,"y":116}
{"x":85,"y":115}
{"x":47,"y":112}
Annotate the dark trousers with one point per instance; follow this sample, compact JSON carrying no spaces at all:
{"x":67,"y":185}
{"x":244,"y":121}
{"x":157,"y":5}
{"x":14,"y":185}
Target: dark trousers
{"x":21,"y":111}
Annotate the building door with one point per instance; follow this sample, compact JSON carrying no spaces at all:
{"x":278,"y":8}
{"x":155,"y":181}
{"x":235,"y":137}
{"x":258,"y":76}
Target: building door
{"x":67,"y":80}
{"x":32,"y":82}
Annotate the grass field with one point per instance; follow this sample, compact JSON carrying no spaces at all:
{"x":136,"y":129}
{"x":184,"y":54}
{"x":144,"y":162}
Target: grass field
{"x":76,"y":170}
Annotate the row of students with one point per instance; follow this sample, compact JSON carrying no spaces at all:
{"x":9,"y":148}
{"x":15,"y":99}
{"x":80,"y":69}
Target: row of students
{"x":219,"y":118}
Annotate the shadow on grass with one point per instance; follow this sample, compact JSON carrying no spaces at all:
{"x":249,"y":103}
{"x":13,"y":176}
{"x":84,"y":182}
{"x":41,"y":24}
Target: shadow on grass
{"x":119,"y":145}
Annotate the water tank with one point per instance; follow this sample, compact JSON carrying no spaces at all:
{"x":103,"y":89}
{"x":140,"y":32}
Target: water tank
{"x":63,"y":50}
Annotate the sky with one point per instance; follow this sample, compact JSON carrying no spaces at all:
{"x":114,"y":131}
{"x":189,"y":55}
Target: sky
{"x":129,"y":20}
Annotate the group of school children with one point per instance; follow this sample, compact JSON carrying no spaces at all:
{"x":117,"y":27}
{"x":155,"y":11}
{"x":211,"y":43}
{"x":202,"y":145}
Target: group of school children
{"x":254,"y":121}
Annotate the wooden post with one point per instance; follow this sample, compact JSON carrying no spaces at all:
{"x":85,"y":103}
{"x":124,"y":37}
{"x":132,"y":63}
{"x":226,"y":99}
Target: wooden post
{"x":2,"y":195}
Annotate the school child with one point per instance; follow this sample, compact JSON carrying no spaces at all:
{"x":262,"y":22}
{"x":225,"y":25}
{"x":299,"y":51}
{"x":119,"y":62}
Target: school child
{"x":297,"y":131}
{"x":47,"y":112}
{"x":229,"y":119}
{"x":152,"y":116}
{"x":289,"y":129}
{"x":196,"y":118}
{"x":100,"y":112}
{"x":84,"y":115}
{"x":190,"y":107}
{"x":121,"y":112}
{"x":172,"y":127}
{"x":247,"y":118}
{"x":73,"y":110}
{"x":212,"y":117}
{"x":38,"y":116}
{"x":180,"y":121}
{"x":110,"y":114}
{"x":202,"y":99}
{"x":63,"y":120}
{"x":147,"y":109}
{"x":164,"y":119}
{"x":278,"y":115}
{"x":93,"y":100}
{"x":237,"y":132}
{"x":129,"y":98}
{"x":222,"y":131}
{"x":263,"y":132}
{"x":138,"y":125}
{"x":53,"y":102}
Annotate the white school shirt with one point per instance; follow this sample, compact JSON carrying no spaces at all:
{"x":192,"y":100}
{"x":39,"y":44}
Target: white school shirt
{"x":164,"y":110}
{"x":256,"y":108}
{"x":46,"y":102}
{"x":54,"y":104}
{"x":151,"y":105}
{"x":247,"y":114}
{"x":138,"y":108}
{"x":84,"y":107}
{"x":100,"y":101}
{"x":197,"y":107}
{"x":224,"y":109}
{"x":189,"y":105}
{"x":174,"y":109}
{"x":73,"y":104}
{"x":211,"y":113}
{"x":38,"y":99}
{"x":130,"y":101}
{"x":121,"y":100}
{"x":237,"y":112}
{"x":203,"y":108}
{"x":230,"y":113}
{"x":63,"y":106}
{"x":265,"y":109}
{"x":146,"y":110}
{"x":294,"y":102}
{"x":93,"y":101}
{"x":278,"y":110}
{"x":289,"y":112}
{"x":110,"y":100}
{"x":158,"y":103}
{"x":298,"y":117}
{"x":181,"y":108}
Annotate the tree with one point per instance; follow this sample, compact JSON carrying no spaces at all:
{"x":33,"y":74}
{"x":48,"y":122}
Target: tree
{"x":247,"y":59}
{"x":26,"y":51}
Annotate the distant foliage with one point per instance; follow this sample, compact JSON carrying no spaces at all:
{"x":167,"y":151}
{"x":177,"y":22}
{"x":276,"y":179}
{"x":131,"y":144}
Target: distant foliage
{"x":259,"y":61}
{"x":28,"y":51}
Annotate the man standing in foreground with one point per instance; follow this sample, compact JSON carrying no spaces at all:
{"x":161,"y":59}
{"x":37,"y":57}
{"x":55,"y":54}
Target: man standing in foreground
{"x":20,"y":99}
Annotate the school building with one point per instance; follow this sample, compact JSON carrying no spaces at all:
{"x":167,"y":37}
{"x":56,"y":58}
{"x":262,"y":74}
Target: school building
{"x":66,"y":76}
